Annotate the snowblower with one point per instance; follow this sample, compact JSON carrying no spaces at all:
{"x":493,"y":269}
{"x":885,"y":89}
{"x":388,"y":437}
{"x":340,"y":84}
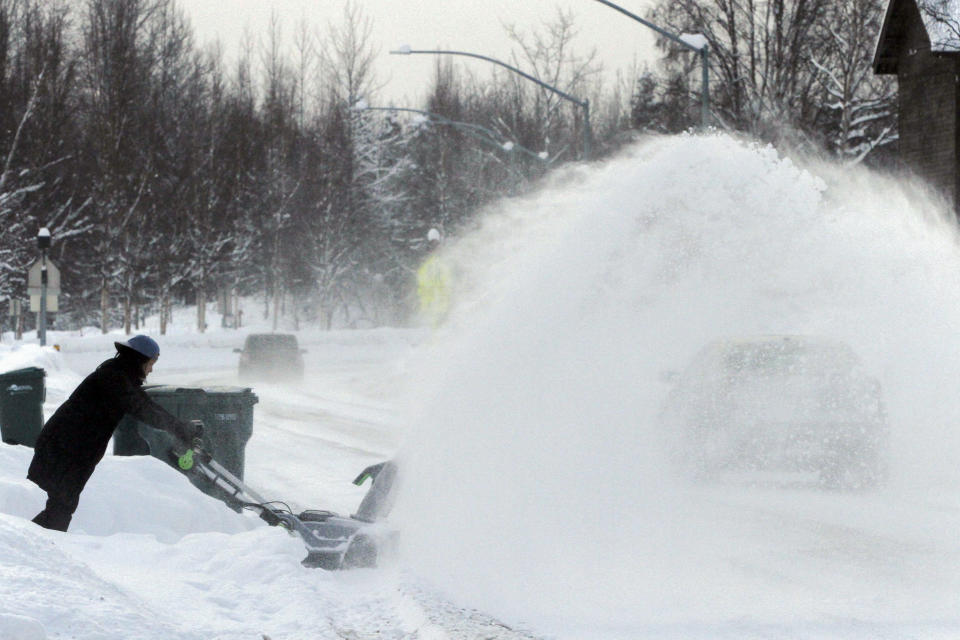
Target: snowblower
{"x":332,"y":541}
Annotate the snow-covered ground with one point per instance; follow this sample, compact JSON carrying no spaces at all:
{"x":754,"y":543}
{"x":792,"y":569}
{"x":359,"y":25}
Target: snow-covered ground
{"x":537,"y":496}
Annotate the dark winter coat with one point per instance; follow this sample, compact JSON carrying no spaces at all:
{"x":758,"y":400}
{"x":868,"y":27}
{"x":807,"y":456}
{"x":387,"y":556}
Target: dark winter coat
{"x":75,"y":438}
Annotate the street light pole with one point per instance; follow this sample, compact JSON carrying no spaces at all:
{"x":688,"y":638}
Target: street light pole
{"x":694,"y":42}
{"x":43,"y":242}
{"x":705,"y":85}
{"x":405,"y":50}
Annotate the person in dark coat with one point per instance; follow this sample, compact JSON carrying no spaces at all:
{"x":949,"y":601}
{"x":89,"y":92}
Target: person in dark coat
{"x":75,"y":438}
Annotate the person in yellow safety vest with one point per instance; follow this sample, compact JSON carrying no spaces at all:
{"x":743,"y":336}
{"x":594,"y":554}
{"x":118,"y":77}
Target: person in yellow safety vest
{"x":433,"y":283}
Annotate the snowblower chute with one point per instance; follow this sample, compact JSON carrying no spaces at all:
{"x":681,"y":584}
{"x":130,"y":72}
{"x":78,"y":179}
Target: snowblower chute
{"x":332,"y":541}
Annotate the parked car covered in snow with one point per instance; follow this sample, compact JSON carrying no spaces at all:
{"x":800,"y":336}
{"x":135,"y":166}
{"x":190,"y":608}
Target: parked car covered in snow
{"x":778,"y":403}
{"x":270,"y":356}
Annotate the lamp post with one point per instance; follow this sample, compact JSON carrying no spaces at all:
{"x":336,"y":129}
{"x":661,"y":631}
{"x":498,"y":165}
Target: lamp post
{"x":405,"y":50}
{"x":43,"y":242}
{"x":474,"y":130}
{"x":693,"y":41}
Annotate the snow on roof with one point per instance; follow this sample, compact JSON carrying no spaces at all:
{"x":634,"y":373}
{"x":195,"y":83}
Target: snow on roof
{"x":941,"y":18}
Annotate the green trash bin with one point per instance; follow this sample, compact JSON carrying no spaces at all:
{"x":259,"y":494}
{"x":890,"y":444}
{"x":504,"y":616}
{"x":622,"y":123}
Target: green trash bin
{"x":186,"y":403}
{"x":227,"y":415}
{"x":22,"y":393}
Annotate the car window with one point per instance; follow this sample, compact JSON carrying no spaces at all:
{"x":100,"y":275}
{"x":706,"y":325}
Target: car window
{"x":762,"y":359}
{"x":271,"y":342}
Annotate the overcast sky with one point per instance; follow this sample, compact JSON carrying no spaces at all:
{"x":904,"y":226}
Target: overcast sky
{"x":475,"y":26}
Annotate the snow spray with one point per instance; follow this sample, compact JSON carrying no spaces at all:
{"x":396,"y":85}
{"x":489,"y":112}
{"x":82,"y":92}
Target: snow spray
{"x":536,"y":482}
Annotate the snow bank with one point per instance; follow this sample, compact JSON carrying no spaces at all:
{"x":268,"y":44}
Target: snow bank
{"x":20,"y":628}
{"x":149,"y":557}
{"x":137,"y":494}
{"x":46,"y":590}
{"x":19,"y":356}
{"x":131,"y":505}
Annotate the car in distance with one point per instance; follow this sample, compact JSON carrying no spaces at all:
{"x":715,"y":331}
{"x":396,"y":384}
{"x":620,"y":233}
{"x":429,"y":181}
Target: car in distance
{"x":270,"y":356}
{"x":794,"y":403}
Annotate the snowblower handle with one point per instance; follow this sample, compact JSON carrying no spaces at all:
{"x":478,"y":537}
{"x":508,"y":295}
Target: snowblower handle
{"x":369,"y":472}
{"x":196,"y":453}
{"x":186,"y":460}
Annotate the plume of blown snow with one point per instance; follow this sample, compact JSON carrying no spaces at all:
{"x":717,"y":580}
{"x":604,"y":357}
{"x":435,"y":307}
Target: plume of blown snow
{"x":537,"y":474}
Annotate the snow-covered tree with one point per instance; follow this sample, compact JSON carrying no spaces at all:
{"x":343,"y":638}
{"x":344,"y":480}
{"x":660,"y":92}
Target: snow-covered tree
{"x":762,"y":80}
{"x":343,"y":216}
{"x":115,"y":90}
{"x":550,"y":121}
{"x":942,"y":20}
{"x":36,"y":186}
{"x":383,"y":166}
{"x":860,"y":106}
{"x":793,"y":71}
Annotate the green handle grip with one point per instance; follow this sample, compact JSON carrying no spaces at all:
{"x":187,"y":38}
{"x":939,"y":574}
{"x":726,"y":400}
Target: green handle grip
{"x":360,"y":479}
{"x":185,"y":461}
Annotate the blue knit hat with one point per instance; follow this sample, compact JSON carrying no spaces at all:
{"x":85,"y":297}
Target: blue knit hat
{"x":144,"y":345}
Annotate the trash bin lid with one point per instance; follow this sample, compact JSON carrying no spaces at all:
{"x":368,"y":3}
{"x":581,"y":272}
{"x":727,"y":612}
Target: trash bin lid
{"x":170,"y":389}
{"x":225,"y":392}
{"x":226,"y":389}
{"x":26,"y":372}
{"x":212,"y":392}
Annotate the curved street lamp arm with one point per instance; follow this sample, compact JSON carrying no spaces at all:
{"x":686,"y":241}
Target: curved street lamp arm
{"x":703,"y":50}
{"x":526,"y":75}
{"x":474,"y":130}
{"x":663,"y":32}
{"x":584,"y":104}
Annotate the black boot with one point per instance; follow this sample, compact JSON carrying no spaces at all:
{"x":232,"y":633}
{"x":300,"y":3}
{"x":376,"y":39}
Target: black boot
{"x":58,"y":512}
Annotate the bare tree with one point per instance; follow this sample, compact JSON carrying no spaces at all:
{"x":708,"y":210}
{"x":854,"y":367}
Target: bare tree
{"x":760,"y":50}
{"x":305,"y":67}
{"x":860,"y":106}
{"x":547,"y":54}
{"x":36,"y":80}
{"x":347,"y":56}
{"x":116,"y":73}
{"x":13,"y":191}
{"x":942,"y":18}
{"x":280,"y":179}
{"x":341,"y":220}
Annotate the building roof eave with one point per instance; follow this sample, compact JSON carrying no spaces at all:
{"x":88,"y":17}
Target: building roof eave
{"x":942,"y":33}
{"x":883,"y":61}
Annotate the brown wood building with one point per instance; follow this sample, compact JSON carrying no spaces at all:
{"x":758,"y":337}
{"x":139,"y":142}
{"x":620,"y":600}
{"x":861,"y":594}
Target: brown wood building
{"x":920,"y":43}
